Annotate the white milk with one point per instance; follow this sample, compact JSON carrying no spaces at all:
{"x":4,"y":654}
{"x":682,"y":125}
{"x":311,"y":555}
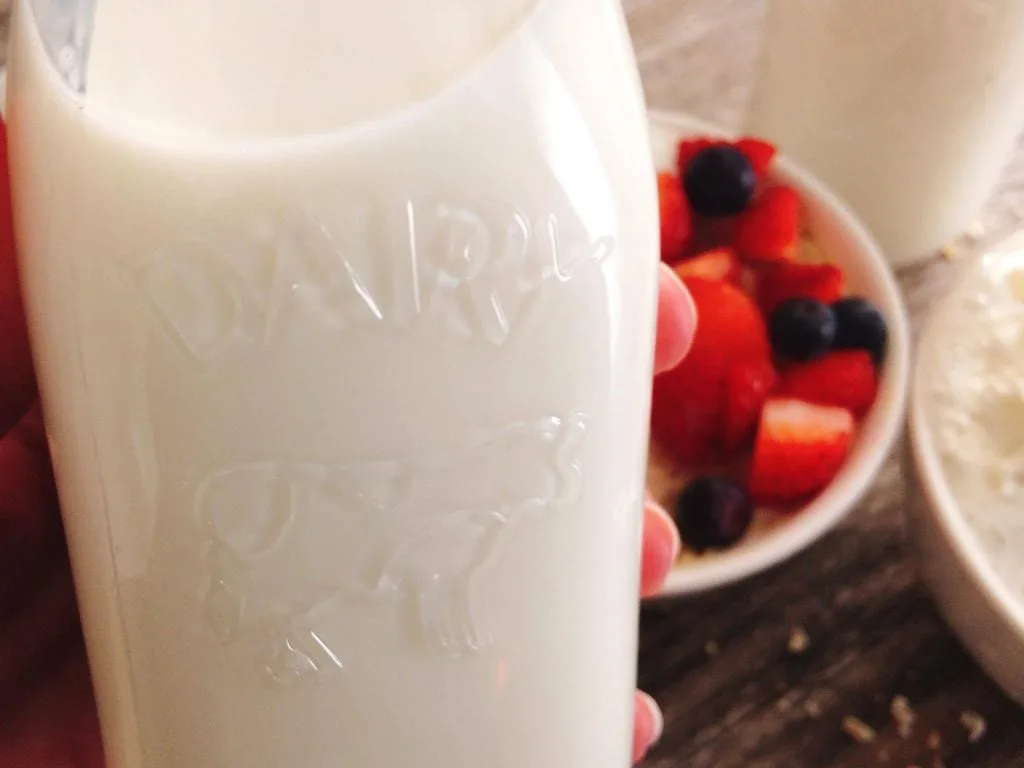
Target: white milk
{"x":346,"y":383}
{"x":975,"y":403}
{"x":908,"y":109}
{"x":271,"y":67}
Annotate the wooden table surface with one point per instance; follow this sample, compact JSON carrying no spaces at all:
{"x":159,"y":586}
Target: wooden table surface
{"x":734,"y":694}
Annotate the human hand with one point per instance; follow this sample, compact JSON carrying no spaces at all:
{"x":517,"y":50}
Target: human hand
{"x":677,"y":321}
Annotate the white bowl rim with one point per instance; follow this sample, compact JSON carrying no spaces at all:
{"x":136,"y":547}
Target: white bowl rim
{"x":829,"y":509}
{"x":940,"y":502}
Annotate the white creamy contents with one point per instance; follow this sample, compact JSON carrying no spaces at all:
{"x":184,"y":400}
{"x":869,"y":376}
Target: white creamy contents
{"x":347,"y":379}
{"x":278,"y":67}
{"x":975,"y":361}
{"x":909,"y":109}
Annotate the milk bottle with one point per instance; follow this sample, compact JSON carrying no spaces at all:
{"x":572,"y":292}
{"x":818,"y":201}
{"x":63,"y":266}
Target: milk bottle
{"x":343,"y":316}
{"x":909,"y":109}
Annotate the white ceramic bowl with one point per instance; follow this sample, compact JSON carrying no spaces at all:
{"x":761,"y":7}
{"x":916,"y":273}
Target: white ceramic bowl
{"x":975,"y":601}
{"x":849,"y":245}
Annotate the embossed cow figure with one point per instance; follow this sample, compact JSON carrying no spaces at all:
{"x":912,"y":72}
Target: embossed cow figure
{"x":285,"y":541}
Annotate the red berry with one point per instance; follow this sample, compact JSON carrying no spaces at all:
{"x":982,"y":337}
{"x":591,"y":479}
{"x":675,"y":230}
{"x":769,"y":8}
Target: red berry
{"x":846,"y":379}
{"x":800,"y":447}
{"x":777,"y":283}
{"x":716,"y":264}
{"x":769,"y":230}
{"x":759,"y":152}
{"x":689,"y":401}
{"x":674,"y":215}
{"x":748,"y":384}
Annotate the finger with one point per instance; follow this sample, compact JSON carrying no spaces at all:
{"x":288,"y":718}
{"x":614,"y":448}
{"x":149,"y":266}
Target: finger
{"x":661,"y":547}
{"x":17,"y":382}
{"x":29,"y":516}
{"x":648,"y":724}
{"x":677,"y":321}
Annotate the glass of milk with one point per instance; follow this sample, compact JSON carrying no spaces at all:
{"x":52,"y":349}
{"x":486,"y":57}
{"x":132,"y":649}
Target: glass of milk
{"x":343,"y":314}
{"x":908,"y":109}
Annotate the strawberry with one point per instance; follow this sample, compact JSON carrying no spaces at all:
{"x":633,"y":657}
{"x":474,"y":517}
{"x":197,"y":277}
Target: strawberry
{"x":674,"y":215}
{"x":688,"y":149}
{"x":845,"y":378}
{"x":759,"y":152}
{"x":747,"y":386}
{"x":689,"y":400}
{"x":800,"y":447}
{"x":716,"y":264}
{"x":777,"y":283}
{"x":711,"y":234}
{"x":770,"y":229}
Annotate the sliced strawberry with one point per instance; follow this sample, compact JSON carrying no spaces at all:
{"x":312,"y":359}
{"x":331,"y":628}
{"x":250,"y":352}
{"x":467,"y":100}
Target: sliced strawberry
{"x":769,"y":230}
{"x":688,"y":149}
{"x":711,"y":234}
{"x":674,"y":215}
{"x":748,"y":384}
{"x":748,"y":279}
{"x":716,"y":264}
{"x":759,"y":152}
{"x":846,"y":379}
{"x":777,"y":283}
{"x":689,"y":400}
{"x":800,"y":447}
{"x":685,"y":412}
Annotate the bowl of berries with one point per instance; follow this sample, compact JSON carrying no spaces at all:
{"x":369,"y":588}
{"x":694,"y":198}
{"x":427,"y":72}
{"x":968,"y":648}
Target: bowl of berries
{"x":793,"y":393}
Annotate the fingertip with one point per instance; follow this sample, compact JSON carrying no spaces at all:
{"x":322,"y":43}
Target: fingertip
{"x":649,"y":725}
{"x":677,"y":320}
{"x":661,"y":547}
{"x":657,"y":718}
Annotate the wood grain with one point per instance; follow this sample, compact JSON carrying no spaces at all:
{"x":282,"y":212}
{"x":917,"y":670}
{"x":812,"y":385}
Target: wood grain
{"x":734,"y":695}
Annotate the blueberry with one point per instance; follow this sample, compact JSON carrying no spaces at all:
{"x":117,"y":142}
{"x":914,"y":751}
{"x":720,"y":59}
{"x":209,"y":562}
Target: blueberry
{"x":719,"y":181}
{"x":713,"y":513}
{"x":861,"y":326}
{"x":802,"y":329}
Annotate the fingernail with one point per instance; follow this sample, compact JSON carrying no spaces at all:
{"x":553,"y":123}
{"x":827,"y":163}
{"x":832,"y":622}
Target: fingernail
{"x":661,"y":547}
{"x":670,"y":524}
{"x":677,"y":320}
{"x":688,"y":310}
{"x":657,"y":718}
